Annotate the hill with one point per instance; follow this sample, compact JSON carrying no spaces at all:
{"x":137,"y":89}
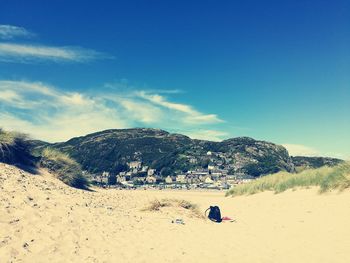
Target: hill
{"x":303,"y":162}
{"x":112,"y":150}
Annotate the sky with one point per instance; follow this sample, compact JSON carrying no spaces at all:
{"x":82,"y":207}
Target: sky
{"x":272,"y":70}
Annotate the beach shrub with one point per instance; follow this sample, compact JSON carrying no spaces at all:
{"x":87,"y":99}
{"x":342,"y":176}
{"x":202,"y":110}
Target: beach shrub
{"x":326,"y":178}
{"x":65,"y":168}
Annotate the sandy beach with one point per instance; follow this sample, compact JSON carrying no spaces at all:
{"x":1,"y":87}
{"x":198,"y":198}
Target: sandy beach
{"x":43,"y":220}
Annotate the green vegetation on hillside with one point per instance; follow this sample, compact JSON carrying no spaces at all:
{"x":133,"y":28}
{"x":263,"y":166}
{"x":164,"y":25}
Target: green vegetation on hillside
{"x":327,"y":178}
{"x":66,"y":169}
{"x":303,"y":162}
{"x":171,"y":154}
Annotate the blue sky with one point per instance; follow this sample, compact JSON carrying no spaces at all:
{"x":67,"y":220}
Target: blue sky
{"x":272,"y":70}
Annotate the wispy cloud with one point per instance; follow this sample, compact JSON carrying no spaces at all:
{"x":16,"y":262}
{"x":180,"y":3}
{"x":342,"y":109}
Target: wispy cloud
{"x":10,"y":32}
{"x":206,"y":134}
{"x":12,"y":52}
{"x":300,"y":150}
{"x":191,"y":115}
{"x":303,"y":150}
{"x":29,"y":53}
{"x":51,"y":114}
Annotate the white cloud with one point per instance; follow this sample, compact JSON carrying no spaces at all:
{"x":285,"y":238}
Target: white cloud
{"x":191,"y":115}
{"x":54,"y":115}
{"x":51,"y":114}
{"x":210,"y":135}
{"x":144,"y":112}
{"x":27,"y":53}
{"x":13,"y":52}
{"x":61,"y":127}
{"x":10,"y":32}
{"x":300,"y":150}
{"x":9,"y":96}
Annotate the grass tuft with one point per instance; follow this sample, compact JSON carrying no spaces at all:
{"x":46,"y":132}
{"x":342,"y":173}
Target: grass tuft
{"x":327,"y":178}
{"x":66,"y":169}
{"x":156,"y":205}
{"x":15,"y":149}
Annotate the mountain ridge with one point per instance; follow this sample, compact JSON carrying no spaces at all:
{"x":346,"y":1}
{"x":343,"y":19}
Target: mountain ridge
{"x":172,"y":153}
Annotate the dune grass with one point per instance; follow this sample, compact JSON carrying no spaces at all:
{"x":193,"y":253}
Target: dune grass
{"x":14,"y":148}
{"x":66,"y":169}
{"x":326,"y":178}
{"x":6,"y":137}
{"x":156,"y":205}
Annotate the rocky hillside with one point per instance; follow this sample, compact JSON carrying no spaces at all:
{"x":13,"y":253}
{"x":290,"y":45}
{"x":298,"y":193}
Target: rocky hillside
{"x":112,"y":150}
{"x":303,"y":162}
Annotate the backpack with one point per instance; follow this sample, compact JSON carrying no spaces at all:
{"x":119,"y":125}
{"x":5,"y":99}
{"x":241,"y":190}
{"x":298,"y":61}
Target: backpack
{"x":214,"y":214}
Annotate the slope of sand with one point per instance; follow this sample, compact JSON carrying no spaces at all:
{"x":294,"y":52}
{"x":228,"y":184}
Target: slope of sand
{"x":43,"y":220}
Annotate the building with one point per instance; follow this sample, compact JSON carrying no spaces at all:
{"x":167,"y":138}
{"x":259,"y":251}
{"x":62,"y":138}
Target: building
{"x":151,"y":172}
{"x":216,"y":173}
{"x":151,"y":179}
{"x":135,"y":165}
{"x":105,"y":174}
{"x":169,"y":179}
{"x":193,"y":160}
{"x":181,"y":178}
{"x":192,"y":180}
{"x":208,"y":180}
{"x":103,"y":178}
{"x":138,"y":180}
{"x":211,"y":167}
{"x":198,"y":172}
{"x":121,"y":178}
{"x":124,"y":176}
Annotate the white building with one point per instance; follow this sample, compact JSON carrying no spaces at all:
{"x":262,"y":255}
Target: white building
{"x":151,"y":172}
{"x":169,"y":179}
{"x":181,"y":178}
{"x":193,"y":160}
{"x":105,"y":174}
{"x":211,"y":167}
{"x":121,"y":179}
{"x":151,"y":179}
{"x":208,"y":180}
{"x":135,"y":165}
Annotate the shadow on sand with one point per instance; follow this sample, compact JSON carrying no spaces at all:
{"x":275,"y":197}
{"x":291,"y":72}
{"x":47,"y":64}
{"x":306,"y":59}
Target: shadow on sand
{"x":32,"y":169}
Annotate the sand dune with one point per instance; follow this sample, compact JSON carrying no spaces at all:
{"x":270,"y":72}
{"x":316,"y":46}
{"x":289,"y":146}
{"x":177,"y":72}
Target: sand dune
{"x":43,"y":220}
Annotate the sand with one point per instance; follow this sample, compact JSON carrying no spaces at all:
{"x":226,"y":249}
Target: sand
{"x":43,"y":220}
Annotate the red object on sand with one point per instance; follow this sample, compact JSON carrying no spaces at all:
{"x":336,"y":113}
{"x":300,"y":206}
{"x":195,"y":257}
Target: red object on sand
{"x":226,"y":218}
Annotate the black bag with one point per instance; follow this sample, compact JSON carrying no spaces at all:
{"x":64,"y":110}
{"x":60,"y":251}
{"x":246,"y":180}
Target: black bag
{"x":214,"y":214}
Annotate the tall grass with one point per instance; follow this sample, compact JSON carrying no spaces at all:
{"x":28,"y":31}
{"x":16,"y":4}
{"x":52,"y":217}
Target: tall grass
{"x":14,"y":148}
{"x":326,"y":178}
{"x":66,"y":169}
